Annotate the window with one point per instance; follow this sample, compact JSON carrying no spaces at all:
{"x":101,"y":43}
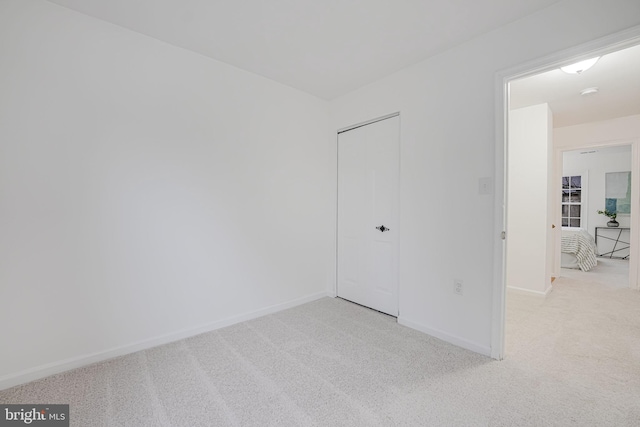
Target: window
{"x":572,"y":201}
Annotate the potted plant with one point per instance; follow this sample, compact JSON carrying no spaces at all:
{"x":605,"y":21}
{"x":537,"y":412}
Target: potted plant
{"x":612,"y":215}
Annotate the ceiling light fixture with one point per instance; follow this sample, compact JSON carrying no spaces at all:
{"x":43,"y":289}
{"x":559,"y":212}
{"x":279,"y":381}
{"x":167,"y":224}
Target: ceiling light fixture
{"x":589,"y":91}
{"x":580,"y":67}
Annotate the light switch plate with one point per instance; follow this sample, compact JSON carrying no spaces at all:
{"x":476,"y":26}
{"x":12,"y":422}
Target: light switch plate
{"x":485,"y":185}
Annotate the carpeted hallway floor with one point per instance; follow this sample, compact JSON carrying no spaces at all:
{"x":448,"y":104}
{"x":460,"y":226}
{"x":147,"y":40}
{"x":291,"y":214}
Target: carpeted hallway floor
{"x":572,"y":359}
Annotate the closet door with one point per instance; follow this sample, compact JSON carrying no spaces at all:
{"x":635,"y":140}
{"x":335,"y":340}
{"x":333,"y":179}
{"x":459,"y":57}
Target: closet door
{"x":368,"y":177}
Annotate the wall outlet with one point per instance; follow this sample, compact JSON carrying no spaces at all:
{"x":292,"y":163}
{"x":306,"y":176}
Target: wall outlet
{"x":457,"y":287}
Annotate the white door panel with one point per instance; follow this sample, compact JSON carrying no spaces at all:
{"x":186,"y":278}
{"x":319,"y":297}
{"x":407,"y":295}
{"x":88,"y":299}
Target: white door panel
{"x":368,"y":170}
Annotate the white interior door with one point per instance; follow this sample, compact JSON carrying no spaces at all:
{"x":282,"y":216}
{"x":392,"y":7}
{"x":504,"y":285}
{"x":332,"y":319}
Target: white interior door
{"x":368,"y":177}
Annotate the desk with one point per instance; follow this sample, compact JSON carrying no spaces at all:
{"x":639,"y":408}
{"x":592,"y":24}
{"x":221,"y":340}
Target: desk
{"x":613,"y":242}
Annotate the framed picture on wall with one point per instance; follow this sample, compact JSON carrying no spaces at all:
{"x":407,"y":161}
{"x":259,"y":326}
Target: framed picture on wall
{"x":618,"y":192}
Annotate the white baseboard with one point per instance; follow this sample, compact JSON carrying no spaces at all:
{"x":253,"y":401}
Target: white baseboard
{"x":48,"y":369}
{"x":452,"y":339}
{"x":529,"y":291}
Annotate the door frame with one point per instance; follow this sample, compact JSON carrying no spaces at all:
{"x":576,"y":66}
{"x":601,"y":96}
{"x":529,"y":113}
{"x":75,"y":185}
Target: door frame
{"x":334,"y":292}
{"x":598,"y":47}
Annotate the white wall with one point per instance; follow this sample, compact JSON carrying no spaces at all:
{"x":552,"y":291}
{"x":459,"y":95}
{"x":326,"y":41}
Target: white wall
{"x":530,"y":149}
{"x":146,"y":192}
{"x":607,"y":132}
{"x":447,"y":106}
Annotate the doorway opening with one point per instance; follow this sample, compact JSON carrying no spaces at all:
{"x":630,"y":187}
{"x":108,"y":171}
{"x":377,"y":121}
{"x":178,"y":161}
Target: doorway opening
{"x":530,"y":256}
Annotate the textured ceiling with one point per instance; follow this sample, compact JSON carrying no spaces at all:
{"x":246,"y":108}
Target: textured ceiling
{"x":323,"y":47}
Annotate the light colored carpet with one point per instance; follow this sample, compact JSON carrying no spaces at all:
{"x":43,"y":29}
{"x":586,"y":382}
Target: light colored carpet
{"x":581,"y":344}
{"x":571,"y":361}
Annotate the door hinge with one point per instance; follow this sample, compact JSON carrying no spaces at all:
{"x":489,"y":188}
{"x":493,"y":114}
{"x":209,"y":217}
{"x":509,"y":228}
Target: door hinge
{"x":503,"y":235}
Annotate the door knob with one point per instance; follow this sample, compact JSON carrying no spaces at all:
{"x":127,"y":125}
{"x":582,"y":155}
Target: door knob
{"x":382,"y":228}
